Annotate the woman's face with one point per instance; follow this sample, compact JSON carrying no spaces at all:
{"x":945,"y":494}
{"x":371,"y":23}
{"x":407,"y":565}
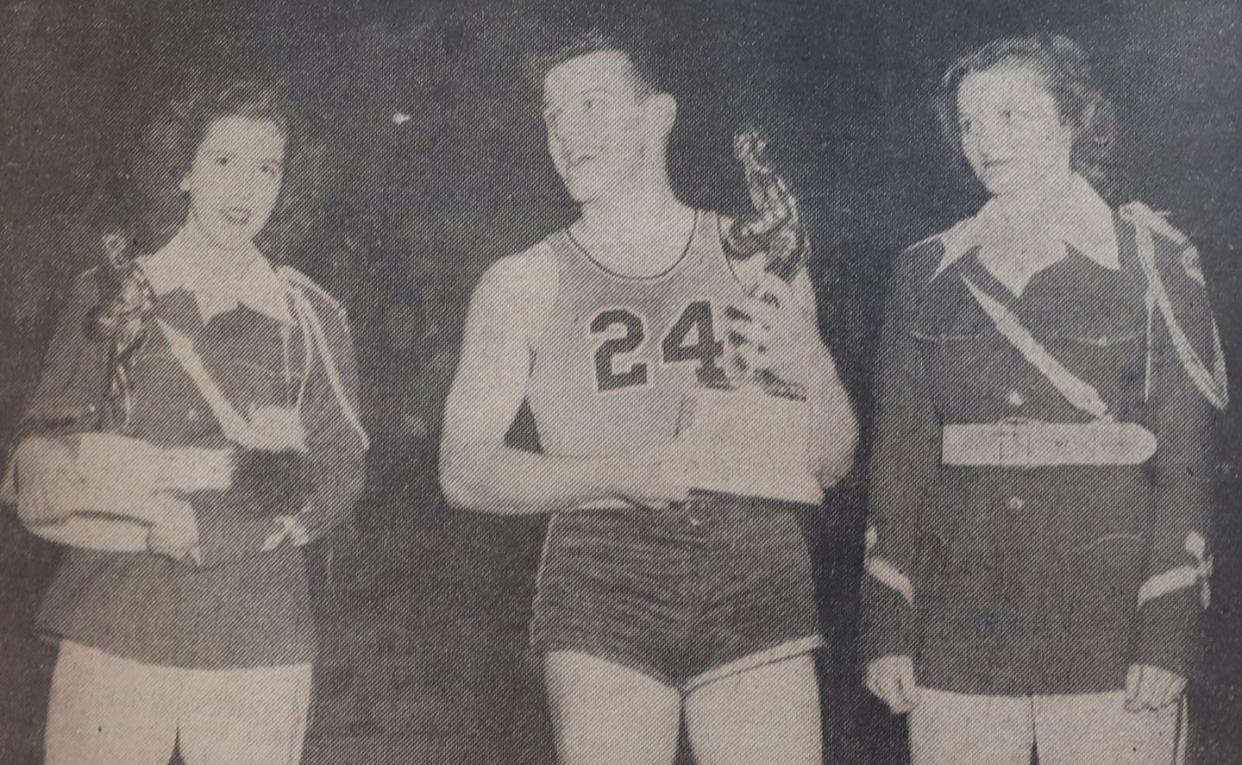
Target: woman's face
{"x":234,"y":180}
{"x":1011,"y":129}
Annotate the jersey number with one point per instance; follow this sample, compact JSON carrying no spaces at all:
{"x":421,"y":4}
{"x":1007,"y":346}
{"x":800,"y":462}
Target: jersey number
{"x":691,"y":338}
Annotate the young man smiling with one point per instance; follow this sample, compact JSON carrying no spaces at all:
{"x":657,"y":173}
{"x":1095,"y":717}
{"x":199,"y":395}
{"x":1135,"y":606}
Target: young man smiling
{"x":653,"y":602}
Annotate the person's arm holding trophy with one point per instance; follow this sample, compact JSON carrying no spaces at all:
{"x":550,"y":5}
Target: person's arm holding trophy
{"x":198,"y":402}
{"x":73,"y":478}
{"x":777,"y":423}
{"x":82,"y":476}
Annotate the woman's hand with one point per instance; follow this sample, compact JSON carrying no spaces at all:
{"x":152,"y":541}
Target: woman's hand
{"x":891,"y":679}
{"x":175,"y":535}
{"x":1151,"y":688}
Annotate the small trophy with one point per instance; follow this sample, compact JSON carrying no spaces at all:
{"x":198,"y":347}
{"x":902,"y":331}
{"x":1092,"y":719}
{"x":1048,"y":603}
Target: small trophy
{"x":120,"y":322}
{"x":95,"y":484}
{"x":742,"y":431}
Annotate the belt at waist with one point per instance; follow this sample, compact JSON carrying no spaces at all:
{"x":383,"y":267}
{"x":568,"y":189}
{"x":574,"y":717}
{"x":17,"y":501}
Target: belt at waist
{"x":1031,"y":443}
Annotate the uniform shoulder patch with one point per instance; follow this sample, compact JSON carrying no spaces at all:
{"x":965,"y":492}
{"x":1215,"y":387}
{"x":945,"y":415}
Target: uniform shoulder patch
{"x":1192,"y":267}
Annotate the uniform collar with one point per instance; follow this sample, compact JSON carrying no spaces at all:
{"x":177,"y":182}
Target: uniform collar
{"x":1085,"y":223}
{"x":219,"y":281}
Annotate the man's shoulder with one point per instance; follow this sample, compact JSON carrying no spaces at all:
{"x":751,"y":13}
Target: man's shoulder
{"x":517,"y":292}
{"x":529,"y":272}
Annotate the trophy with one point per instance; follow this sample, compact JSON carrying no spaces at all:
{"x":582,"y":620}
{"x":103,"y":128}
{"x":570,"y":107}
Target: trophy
{"x":86,"y":482}
{"x":102,"y":487}
{"x":744,"y":431}
{"x":120,"y":322}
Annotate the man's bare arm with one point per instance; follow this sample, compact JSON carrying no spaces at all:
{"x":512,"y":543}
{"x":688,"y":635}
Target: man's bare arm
{"x":477,"y":470}
{"x":834,"y":425}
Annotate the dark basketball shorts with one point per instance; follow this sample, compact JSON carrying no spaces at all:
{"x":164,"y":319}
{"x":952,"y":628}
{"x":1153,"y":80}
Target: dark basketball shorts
{"x":688,"y":595}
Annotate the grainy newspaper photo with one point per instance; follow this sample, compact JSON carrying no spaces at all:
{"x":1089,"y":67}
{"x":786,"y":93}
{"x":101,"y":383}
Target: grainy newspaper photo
{"x":771,"y":382}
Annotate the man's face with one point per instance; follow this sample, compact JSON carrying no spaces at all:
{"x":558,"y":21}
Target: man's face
{"x":597,"y":124}
{"x":235,"y":179}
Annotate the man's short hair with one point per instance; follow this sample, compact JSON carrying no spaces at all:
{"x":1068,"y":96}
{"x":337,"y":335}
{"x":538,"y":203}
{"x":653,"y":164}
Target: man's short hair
{"x":576,"y":39}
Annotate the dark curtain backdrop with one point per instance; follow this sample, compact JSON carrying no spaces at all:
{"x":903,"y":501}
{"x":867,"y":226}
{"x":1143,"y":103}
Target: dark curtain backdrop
{"x":423,"y":609}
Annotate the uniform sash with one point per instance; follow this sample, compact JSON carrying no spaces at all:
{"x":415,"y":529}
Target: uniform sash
{"x":1027,"y":443}
{"x":1077,"y":391}
{"x":270,"y":428}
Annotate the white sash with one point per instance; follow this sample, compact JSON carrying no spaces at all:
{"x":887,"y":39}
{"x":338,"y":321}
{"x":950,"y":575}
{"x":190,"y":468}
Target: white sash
{"x":1078,"y":392}
{"x":271,"y":428}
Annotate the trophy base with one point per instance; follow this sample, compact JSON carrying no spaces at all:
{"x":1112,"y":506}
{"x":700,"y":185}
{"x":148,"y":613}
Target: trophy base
{"x":745,"y":442}
{"x":107,"y":498}
{"x":88,"y":531}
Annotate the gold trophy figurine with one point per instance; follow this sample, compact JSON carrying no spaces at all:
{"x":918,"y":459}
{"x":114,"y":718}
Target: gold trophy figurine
{"x":773,"y":240}
{"x":121,"y":322}
{"x":741,"y":431}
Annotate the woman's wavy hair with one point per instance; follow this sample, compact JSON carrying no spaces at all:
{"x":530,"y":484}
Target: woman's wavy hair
{"x":1068,"y":76}
{"x":155,"y":204}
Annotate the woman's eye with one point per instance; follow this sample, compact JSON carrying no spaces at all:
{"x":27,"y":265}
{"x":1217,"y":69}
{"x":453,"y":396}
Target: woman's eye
{"x":966,"y":127}
{"x":270,"y":170}
{"x":1008,"y":115}
{"x":222,"y":161}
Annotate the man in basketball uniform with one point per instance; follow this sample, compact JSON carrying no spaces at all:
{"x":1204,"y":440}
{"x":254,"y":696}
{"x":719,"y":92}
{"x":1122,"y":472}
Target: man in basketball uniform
{"x":652,"y":601}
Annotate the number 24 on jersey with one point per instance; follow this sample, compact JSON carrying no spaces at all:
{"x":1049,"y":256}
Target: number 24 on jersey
{"x":691,"y":338}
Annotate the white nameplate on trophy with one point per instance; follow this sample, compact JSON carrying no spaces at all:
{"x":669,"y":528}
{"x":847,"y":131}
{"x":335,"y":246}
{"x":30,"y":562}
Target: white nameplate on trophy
{"x":745,"y":442}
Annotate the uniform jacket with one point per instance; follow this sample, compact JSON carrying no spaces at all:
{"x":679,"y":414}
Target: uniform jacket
{"x":246,"y":602}
{"x":1050,"y":579}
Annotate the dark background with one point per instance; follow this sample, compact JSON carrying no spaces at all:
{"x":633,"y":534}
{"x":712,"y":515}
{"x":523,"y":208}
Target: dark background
{"x":423,"y":609}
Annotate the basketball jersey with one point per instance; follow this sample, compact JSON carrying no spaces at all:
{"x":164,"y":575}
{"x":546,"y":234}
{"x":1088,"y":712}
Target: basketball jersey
{"x":618,"y":353}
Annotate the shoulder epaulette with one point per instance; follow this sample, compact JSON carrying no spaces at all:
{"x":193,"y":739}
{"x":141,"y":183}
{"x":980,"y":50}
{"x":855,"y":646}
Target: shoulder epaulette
{"x":300,"y":281}
{"x":1212,"y":381}
{"x":1142,"y":215}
